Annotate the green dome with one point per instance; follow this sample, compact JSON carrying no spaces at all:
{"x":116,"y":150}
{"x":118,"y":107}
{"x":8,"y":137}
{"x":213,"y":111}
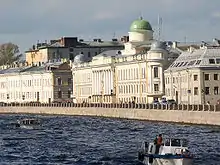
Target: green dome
{"x":139,"y":25}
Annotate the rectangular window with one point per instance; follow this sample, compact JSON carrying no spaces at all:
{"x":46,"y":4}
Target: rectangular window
{"x":156,"y":87}
{"x":211,"y":61}
{"x":215,"y":76}
{"x":215,"y":90}
{"x":196,"y":91}
{"x":69,"y":94}
{"x":206,"y":76}
{"x":217,"y":60}
{"x":207,"y":91}
{"x":89,"y":54}
{"x":59,"y":81}
{"x":59,"y":94}
{"x":69,"y":81}
{"x":155,"y":72}
{"x":195,"y":77}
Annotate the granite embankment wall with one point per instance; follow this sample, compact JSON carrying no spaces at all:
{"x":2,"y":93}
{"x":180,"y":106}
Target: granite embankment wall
{"x":206,"y":117}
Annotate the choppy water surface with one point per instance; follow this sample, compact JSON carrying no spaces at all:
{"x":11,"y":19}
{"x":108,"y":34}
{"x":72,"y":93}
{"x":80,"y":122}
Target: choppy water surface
{"x":96,"y":141}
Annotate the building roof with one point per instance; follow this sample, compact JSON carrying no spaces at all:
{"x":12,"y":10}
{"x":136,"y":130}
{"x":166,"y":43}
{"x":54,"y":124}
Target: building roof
{"x":206,"y":56}
{"x":28,"y":69}
{"x":140,"y":25}
{"x":100,"y":44}
{"x":108,"y":53}
{"x":80,"y":44}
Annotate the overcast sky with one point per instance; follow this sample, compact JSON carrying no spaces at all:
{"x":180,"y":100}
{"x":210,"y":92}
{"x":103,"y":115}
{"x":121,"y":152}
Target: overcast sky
{"x":23,"y":22}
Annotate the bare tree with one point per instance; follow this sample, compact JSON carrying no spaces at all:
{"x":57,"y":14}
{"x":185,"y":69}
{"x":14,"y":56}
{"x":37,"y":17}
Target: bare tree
{"x":9,"y":53}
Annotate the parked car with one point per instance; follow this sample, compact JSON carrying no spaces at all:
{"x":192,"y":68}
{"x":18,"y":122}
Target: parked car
{"x":156,"y":102}
{"x":163,"y":102}
{"x":171,"y":102}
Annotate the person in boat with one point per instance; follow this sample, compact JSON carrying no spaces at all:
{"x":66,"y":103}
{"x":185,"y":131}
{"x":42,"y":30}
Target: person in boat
{"x":155,"y":140}
{"x":159,"y":143}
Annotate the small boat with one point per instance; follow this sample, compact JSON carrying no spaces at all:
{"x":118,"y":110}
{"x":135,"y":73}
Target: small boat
{"x":28,"y":123}
{"x":173,"y":151}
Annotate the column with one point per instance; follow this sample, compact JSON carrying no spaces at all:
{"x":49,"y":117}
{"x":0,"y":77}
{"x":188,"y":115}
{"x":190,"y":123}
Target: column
{"x":150,"y":82}
{"x":111,"y":81}
{"x":161,"y":79}
{"x":104,"y":81}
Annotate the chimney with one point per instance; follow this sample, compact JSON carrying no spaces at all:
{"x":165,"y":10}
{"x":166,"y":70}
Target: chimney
{"x":174,"y":44}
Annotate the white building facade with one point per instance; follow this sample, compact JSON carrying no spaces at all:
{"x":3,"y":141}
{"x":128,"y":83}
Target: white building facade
{"x":43,"y":84}
{"x":194,"y":77}
{"x":134,"y":74}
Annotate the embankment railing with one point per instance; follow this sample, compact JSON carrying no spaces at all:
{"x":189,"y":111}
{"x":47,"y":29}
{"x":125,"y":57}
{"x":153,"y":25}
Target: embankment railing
{"x":182,"y":107}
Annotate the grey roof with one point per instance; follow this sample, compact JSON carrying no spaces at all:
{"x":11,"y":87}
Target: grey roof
{"x":14,"y":70}
{"x":158,"y":46}
{"x":35,"y":69}
{"x":207,"y":56}
{"x":109,"y":53}
{"x":101,"y":44}
{"x":27,"y":69}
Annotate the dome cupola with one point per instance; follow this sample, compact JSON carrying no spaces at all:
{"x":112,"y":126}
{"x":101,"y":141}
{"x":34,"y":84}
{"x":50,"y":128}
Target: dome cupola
{"x":140,"y":25}
{"x":80,"y":58}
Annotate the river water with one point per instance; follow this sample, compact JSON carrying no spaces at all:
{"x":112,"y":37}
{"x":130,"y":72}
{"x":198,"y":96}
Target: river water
{"x":96,"y":141}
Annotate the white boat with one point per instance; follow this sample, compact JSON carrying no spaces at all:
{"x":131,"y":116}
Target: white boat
{"x":173,"y":151}
{"x":28,"y":123}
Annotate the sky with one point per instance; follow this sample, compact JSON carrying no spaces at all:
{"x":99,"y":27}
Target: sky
{"x":24,"y":22}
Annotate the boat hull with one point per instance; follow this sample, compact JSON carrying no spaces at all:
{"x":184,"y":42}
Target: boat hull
{"x":158,"y":161}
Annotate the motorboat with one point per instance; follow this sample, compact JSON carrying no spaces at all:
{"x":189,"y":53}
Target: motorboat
{"x":173,"y":151}
{"x":28,"y":123}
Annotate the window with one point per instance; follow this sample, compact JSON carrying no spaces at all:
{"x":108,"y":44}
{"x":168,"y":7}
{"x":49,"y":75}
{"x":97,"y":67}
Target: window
{"x":207,"y":92}
{"x":215,"y":90}
{"x":59,"y":94}
{"x":54,"y":55}
{"x":155,"y":72}
{"x":191,"y":62}
{"x":156,"y":87}
{"x":195,"y":77}
{"x":206,"y":76}
{"x":211,"y":61}
{"x":181,"y":64}
{"x":59,"y":81}
{"x":167,"y":142}
{"x":217,"y":60}
{"x":71,"y":50}
{"x":185,"y":63}
{"x":215,"y":76}
{"x":198,"y":62}
{"x":61,"y":55}
{"x":175,"y":142}
{"x":196,"y":91}
{"x":69,"y":81}
{"x":71,"y":56}
{"x":89,"y":54}
{"x":69,"y":93}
